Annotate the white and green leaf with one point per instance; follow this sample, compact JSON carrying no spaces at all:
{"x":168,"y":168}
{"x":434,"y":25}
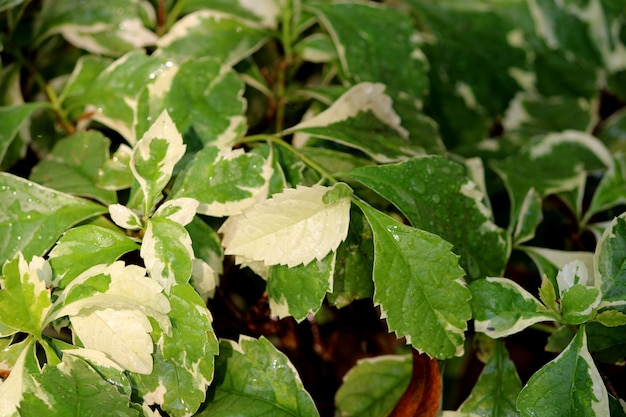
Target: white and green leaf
{"x":225,"y":182}
{"x":154,"y":157}
{"x":125,"y":217}
{"x":501,"y":307}
{"x":570,"y":384}
{"x":609,"y":261}
{"x":291,"y":228}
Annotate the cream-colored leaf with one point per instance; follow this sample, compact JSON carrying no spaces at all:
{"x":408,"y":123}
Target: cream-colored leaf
{"x":123,"y":335}
{"x":293,"y":227}
{"x":124,"y":217}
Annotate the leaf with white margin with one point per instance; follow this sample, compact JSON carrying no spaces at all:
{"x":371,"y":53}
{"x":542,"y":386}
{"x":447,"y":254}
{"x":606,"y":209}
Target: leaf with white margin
{"x":570,"y":384}
{"x":266,"y":12}
{"x":154,"y":157}
{"x":363,"y":118}
{"x":167,"y":252}
{"x":254,"y":375}
{"x":100,"y":27}
{"x":84,"y":246}
{"x":291,"y":228}
{"x":609,"y":263}
{"x":125,"y":217}
{"x":374,"y":386}
{"x":180,"y":210}
{"x":495,"y":392}
{"x":530,"y":216}
{"x":25,"y":297}
{"x":579,"y":303}
{"x":572,"y":273}
{"x":300,"y":290}
{"x":74,"y":388}
{"x":211,"y":33}
{"x":33,"y":217}
{"x":183,"y":361}
{"x":501,"y":307}
{"x":115,"y":173}
{"x":11,"y":390}
{"x":612,"y":188}
{"x":551,"y":261}
{"x":124,"y":335}
{"x":550,"y":164}
{"x":419,"y":286}
{"x":12,"y":118}
{"x":115,"y":286}
{"x":225,"y":182}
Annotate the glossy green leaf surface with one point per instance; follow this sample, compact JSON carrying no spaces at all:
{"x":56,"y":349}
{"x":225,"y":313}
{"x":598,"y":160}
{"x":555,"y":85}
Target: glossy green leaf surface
{"x":82,"y":247}
{"x":609,"y":263}
{"x":530,"y":216}
{"x":300,"y":290}
{"x":501,"y":307}
{"x":495,"y":392}
{"x":12,"y":118}
{"x":261,"y":11}
{"x":24,"y":297}
{"x":225,"y":182}
{"x":74,"y":388}
{"x":373,"y":387}
{"x":183,"y":361}
{"x":436,"y":195}
{"x":423,"y":298}
{"x":568,"y":385}
{"x":73,"y":166}
{"x":612,"y":188}
{"x":253,"y":375}
{"x":376,"y":43}
{"x":34,"y":216}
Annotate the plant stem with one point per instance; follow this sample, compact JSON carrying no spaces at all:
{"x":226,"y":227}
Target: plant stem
{"x":280,"y":142}
{"x":546,"y":328}
{"x":172,"y":16}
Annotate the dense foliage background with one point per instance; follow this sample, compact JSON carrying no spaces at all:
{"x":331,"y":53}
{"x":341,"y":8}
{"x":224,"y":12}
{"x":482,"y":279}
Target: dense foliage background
{"x":293,"y":207}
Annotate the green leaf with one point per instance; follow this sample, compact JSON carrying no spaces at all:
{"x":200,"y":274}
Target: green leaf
{"x":183,"y":361}
{"x":376,"y":43}
{"x":496,"y":390}
{"x":210,"y":33}
{"x":531,"y":114}
{"x":125,"y":217}
{"x":611,"y":131}
{"x":569,"y":385}
{"x":206,"y":244}
{"x":578,"y":303}
{"x":34,"y":216}
{"x":82,"y":247}
{"x":74,"y":388}
{"x":115,"y":173}
{"x":262,"y":11}
{"x":73,"y":166}
{"x":612,"y":188}
{"x":374,"y":386}
{"x":267,"y":231}
{"x":207,"y":96}
{"x":436,"y":195}
{"x":11,"y":390}
{"x":167,"y":252}
{"x":300,"y":290}
{"x":550,"y":164}
{"x":8,"y":4}
{"x":611,"y":318}
{"x":101,"y":27}
{"x":24,"y":297}
{"x":551,"y":261}
{"x":254,"y":375}
{"x":154,"y":157}
{"x":609,"y":259}
{"x":608,"y":344}
{"x":318,"y":48}
{"x":354,"y":265}
{"x":501,"y":307}
{"x":225,"y":182}
{"x":363,"y":118}
{"x":179,"y":210}
{"x":423,"y":298}
{"x":11,"y":119}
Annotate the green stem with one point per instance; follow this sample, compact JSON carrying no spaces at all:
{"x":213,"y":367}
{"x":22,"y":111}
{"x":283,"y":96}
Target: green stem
{"x":280,"y":142}
{"x":546,"y":328}
{"x":172,"y":16}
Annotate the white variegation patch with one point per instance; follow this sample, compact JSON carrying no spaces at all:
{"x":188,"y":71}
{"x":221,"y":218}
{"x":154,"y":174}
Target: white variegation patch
{"x":574,"y":272}
{"x":124,"y":335}
{"x":586,"y":140}
{"x":11,"y":390}
{"x":293,"y":227}
{"x":124,"y":217}
{"x":267,"y":10}
{"x":181,"y":210}
{"x":203,"y":279}
{"x":360,"y":98}
{"x":560,"y":258}
{"x":94,"y":356}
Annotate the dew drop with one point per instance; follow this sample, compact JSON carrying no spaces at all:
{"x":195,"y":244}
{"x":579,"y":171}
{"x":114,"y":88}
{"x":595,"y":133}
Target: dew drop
{"x":19,"y":238}
{"x":436,"y":199}
{"x":30,"y":184}
{"x":169,"y":64}
{"x":152,"y":76}
{"x":14,"y":193}
{"x":30,"y":200}
{"x":419,"y":186}
{"x":149,"y":118}
{"x":3,"y":188}
{"x":238,"y":29}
